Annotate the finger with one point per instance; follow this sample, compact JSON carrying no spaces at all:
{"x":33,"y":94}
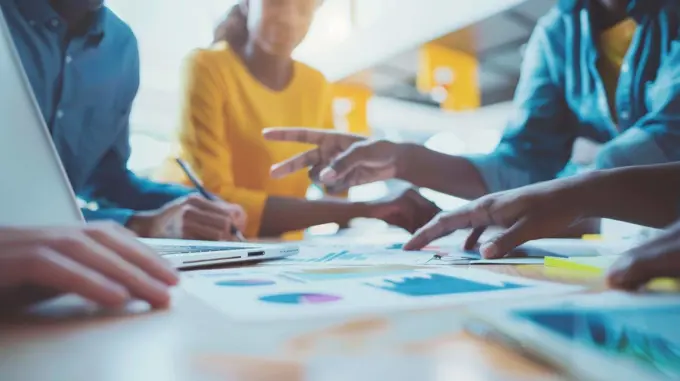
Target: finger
{"x":346,"y":162}
{"x":520,"y":232}
{"x":635,"y":269}
{"x":46,"y":267}
{"x":208,"y":218}
{"x":120,"y":241}
{"x":296,"y":163}
{"x":314,"y":173}
{"x":104,"y":260}
{"x":438,"y":228}
{"x":299,"y":135}
{"x":197,"y":231}
{"x":473,"y":239}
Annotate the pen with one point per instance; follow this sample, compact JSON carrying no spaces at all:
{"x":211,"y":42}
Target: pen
{"x":194,"y":180}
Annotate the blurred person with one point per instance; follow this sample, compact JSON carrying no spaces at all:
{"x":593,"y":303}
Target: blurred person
{"x":645,"y":195}
{"x":102,"y":262}
{"x":83,"y":64}
{"x":247,"y":81}
{"x":605,"y":70}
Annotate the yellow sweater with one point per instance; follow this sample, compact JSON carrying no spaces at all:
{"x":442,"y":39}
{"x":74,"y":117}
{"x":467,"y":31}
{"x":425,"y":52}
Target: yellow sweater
{"x":224,"y":112}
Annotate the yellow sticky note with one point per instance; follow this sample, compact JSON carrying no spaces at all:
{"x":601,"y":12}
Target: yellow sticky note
{"x":591,"y":237}
{"x":599,"y":265}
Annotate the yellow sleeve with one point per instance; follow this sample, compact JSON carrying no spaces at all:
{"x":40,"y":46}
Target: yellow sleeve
{"x":205,"y":141}
{"x":329,"y":117}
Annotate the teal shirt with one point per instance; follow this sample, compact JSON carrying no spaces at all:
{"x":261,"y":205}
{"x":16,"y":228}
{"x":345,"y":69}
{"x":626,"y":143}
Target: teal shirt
{"x":561,"y":96}
{"x":85,"y":86}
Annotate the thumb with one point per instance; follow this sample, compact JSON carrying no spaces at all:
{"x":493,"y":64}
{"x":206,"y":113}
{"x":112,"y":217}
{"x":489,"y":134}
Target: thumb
{"x":636,"y":269}
{"x":516,"y":235}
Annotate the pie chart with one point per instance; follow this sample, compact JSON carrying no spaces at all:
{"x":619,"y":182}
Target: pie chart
{"x":245,"y":283}
{"x":300,"y":298}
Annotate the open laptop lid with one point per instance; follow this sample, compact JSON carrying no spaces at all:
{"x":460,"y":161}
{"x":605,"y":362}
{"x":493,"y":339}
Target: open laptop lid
{"x":34,"y":188}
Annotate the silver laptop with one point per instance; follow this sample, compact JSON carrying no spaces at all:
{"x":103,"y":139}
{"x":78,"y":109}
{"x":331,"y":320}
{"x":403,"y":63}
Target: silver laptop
{"x":34,"y":188}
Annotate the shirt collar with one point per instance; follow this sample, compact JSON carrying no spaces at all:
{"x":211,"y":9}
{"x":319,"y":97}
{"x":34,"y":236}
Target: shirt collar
{"x":41,"y":12}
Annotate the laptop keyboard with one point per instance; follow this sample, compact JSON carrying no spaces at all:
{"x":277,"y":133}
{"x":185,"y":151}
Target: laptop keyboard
{"x":188,"y":249}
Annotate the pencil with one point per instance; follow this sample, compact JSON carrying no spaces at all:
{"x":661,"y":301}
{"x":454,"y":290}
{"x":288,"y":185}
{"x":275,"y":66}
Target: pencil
{"x":209,"y":196}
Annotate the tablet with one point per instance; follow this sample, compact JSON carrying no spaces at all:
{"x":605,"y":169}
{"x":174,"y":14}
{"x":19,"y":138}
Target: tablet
{"x":607,"y":336}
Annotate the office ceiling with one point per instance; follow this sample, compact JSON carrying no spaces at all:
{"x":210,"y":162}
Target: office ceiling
{"x":497,"y":42}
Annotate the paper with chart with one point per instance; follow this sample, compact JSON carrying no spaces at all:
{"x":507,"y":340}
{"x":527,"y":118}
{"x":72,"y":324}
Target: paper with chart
{"x":369,"y":255}
{"x":292,"y":292}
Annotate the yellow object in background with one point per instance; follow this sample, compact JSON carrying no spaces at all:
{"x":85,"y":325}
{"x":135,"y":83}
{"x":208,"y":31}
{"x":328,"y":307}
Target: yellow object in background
{"x":450,"y":76}
{"x":350,"y":108}
{"x":599,"y":265}
{"x":591,"y":237}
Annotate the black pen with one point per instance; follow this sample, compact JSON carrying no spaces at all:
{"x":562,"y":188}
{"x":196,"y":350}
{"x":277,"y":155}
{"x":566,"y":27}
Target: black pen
{"x":209,"y":196}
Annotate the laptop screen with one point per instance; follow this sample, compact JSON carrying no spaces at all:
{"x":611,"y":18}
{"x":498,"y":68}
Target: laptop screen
{"x":34,"y":189}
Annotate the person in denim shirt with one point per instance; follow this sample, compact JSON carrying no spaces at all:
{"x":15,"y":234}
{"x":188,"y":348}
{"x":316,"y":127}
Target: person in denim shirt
{"x":606,"y":70}
{"x":83,"y":65}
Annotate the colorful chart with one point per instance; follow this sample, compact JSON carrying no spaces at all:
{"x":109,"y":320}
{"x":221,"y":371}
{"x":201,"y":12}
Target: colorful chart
{"x":436,"y":284}
{"x":343,"y":273}
{"x":245,"y":283}
{"x":300,"y":298}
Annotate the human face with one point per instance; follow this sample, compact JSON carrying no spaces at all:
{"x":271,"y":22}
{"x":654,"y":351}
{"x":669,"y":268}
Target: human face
{"x":278,"y":26}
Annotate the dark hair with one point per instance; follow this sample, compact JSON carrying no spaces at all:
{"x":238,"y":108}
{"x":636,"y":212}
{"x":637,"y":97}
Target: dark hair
{"x":233,"y":28}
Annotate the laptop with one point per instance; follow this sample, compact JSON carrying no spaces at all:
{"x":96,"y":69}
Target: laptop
{"x":35,"y":190}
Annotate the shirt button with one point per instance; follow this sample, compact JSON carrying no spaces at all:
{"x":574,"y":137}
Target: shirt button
{"x":624,"y":68}
{"x":60,"y":114}
{"x":68,"y":59}
{"x":54,"y":22}
{"x":625,"y":115}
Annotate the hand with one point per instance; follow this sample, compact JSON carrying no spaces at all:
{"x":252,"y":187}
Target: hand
{"x":528,"y":213}
{"x":100,"y":262}
{"x":192,"y":217}
{"x":340,"y":161}
{"x":658,"y":258}
{"x":408,"y":210}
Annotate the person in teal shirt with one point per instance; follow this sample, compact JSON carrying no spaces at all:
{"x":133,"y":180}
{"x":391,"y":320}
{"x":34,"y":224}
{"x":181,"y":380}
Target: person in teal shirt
{"x":83,"y":64}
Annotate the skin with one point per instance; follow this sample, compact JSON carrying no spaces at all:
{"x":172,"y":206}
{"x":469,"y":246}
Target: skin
{"x":100,"y":262}
{"x":641,"y":195}
{"x":274,"y":29}
{"x":658,"y":258}
{"x":188,"y":218}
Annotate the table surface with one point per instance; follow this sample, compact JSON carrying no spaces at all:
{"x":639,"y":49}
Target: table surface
{"x":70,"y":340}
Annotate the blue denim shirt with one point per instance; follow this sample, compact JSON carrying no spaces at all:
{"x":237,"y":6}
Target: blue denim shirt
{"x":85,"y":86}
{"x":561,"y":96}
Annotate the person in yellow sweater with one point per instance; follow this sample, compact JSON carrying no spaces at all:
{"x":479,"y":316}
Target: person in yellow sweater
{"x":247,"y":81}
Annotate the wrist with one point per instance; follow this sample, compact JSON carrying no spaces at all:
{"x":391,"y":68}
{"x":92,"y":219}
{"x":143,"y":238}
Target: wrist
{"x":402,"y":152}
{"x":140,"y":223}
{"x":364,"y":209}
{"x":594,"y":191}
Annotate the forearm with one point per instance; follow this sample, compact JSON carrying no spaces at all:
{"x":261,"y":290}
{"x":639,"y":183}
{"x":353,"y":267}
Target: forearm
{"x":283,"y":214}
{"x":645,"y":195}
{"x":448,"y":174}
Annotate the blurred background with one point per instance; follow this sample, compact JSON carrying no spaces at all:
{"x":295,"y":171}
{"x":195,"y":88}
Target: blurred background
{"x":436,"y":72}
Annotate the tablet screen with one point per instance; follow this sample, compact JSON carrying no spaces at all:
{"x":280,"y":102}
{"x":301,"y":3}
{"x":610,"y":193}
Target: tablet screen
{"x":648,"y":335}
